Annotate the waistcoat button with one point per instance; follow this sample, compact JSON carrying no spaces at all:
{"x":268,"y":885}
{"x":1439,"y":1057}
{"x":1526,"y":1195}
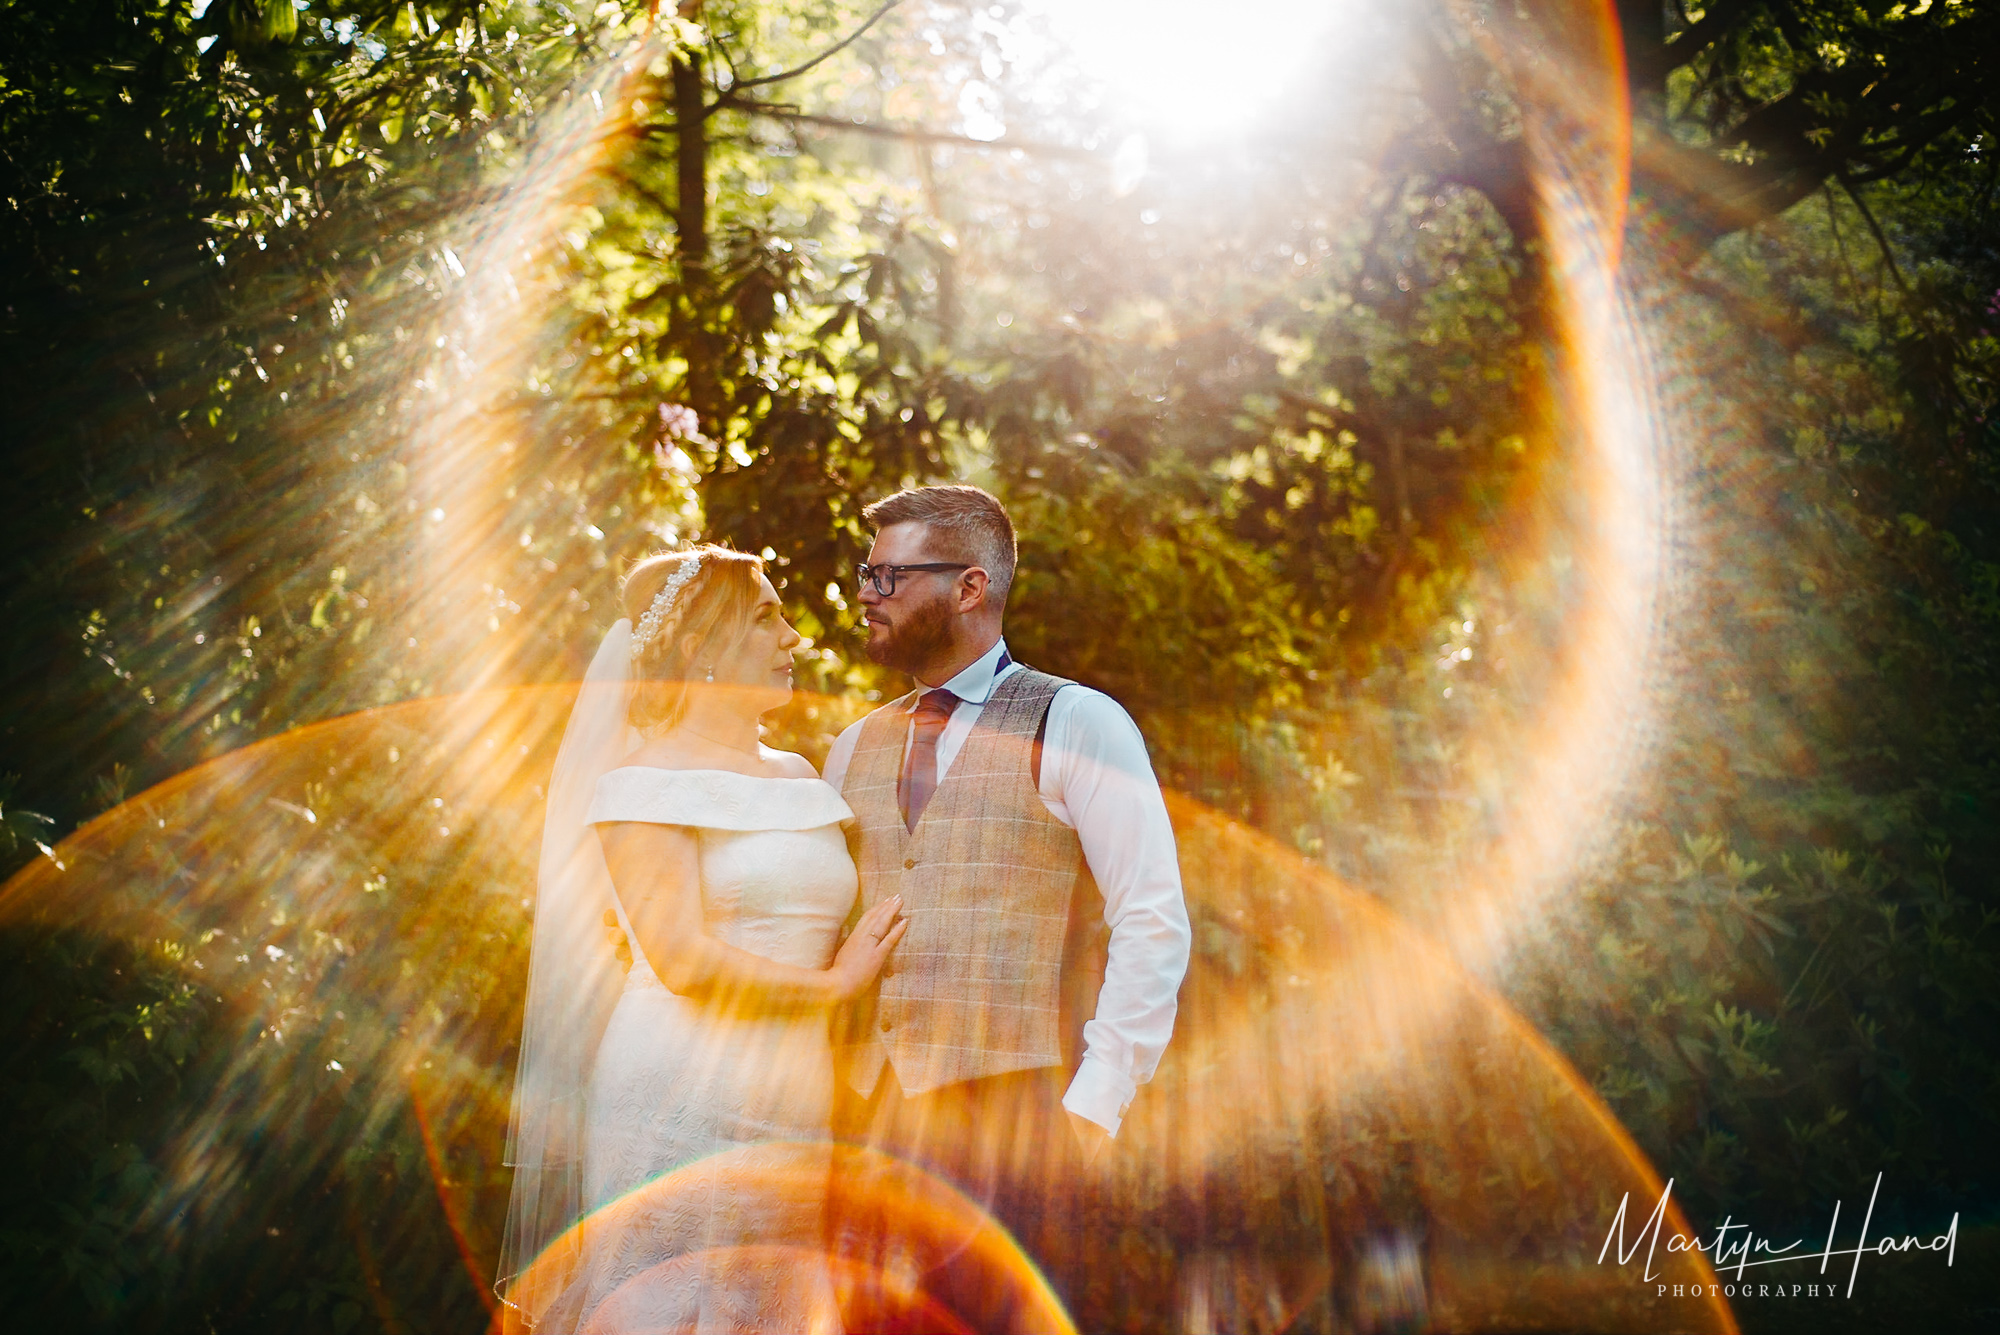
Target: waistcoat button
{"x":885,"y":1026}
{"x":908,"y":863}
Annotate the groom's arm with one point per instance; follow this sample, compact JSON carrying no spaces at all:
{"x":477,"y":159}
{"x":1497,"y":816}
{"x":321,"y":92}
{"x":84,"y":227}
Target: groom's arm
{"x":1097,"y":778}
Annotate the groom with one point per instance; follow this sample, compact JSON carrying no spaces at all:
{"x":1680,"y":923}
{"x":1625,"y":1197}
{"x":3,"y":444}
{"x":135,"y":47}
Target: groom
{"x":1017,"y":815}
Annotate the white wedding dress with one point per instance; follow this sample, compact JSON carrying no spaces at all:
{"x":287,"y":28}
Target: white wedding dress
{"x":706,"y":1129}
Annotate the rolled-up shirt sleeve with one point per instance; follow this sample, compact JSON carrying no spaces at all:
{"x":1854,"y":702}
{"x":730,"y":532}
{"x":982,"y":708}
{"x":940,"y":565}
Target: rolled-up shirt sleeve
{"x":1097,"y":778}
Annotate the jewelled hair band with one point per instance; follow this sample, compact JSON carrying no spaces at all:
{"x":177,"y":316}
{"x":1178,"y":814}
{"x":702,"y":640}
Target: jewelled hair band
{"x":662,"y":604}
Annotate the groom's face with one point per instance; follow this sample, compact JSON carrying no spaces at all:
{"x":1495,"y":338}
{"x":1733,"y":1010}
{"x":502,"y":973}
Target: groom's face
{"x":912,"y":627}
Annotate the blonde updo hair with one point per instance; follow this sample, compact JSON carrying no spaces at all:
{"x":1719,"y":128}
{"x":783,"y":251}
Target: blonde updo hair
{"x":714,"y":608}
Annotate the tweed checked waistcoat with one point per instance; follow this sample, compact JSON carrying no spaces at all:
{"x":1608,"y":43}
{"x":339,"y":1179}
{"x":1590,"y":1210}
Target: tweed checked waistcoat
{"x":987,"y":880}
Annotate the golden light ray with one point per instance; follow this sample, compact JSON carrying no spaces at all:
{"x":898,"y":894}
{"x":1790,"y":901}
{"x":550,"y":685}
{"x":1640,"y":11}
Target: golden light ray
{"x":503,"y":322}
{"x":1334,"y":1074}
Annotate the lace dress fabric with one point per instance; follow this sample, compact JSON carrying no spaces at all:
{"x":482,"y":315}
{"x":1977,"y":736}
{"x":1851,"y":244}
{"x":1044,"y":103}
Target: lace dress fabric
{"x":707,"y":1130}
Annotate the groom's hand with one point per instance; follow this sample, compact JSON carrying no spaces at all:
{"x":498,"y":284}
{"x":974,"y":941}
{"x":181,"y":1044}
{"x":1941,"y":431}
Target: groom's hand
{"x":1090,"y":1137}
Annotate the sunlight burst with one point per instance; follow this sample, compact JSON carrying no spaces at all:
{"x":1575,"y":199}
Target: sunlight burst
{"x":1189,"y":68}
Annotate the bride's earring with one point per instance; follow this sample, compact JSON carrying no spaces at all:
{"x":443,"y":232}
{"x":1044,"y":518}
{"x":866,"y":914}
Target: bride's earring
{"x":711,"y":673}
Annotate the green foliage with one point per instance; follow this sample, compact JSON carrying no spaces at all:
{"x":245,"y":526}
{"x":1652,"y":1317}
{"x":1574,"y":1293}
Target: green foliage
{"x":246,"y":1067}
{"x":18,"y":828}
{"x":1755,"y":105}
{"x":234,"y":249}
{"x":103,"y":1034}
{"x":1766,"y":1032}
{"x":1778,"y":1007}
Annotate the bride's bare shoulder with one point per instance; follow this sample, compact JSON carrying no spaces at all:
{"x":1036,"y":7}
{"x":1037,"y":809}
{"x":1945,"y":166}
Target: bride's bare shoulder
{"x":788,"y":764}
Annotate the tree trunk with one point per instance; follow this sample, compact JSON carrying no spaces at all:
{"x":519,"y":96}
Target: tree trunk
{"x":691,"y":170}
{"x":1643,"y":25}
{"x":690,"y":325}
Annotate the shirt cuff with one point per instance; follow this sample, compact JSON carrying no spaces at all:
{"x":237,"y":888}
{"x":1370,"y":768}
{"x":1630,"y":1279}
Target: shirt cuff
{"x":1100,"y":1094}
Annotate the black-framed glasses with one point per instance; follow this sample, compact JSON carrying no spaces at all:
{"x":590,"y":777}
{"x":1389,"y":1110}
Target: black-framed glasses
{"x":884,"y":577}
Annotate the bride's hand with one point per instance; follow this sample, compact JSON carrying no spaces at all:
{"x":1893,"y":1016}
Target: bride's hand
{"x":867,"y":948}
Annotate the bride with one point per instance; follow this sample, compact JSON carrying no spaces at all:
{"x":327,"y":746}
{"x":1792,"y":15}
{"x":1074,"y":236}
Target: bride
{"x":650,"y":1107}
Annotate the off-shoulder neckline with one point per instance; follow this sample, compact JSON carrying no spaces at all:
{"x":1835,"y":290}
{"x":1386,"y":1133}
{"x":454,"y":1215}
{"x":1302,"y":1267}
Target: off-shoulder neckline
{"x":718,"y":799}
{"x":732,"y":773}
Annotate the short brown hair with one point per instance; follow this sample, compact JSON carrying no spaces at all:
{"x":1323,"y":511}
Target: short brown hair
{"x":964,"y":523}
{"x":714,"y":608}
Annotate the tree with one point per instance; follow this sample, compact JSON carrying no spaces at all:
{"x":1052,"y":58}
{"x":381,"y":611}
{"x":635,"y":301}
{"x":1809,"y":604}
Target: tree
{"x":1743,"y":109}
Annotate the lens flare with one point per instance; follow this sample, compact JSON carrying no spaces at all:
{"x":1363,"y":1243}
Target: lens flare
{"x":1349,"y":1116}
{"x":935,"y":1221}
{"x":1340,"y":1092}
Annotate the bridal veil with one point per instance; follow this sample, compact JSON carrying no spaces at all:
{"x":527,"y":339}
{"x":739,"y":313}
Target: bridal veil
{"x":574,"y":981}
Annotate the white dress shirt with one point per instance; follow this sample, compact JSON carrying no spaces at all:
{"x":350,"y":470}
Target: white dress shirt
{"x":1098,"y":780}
